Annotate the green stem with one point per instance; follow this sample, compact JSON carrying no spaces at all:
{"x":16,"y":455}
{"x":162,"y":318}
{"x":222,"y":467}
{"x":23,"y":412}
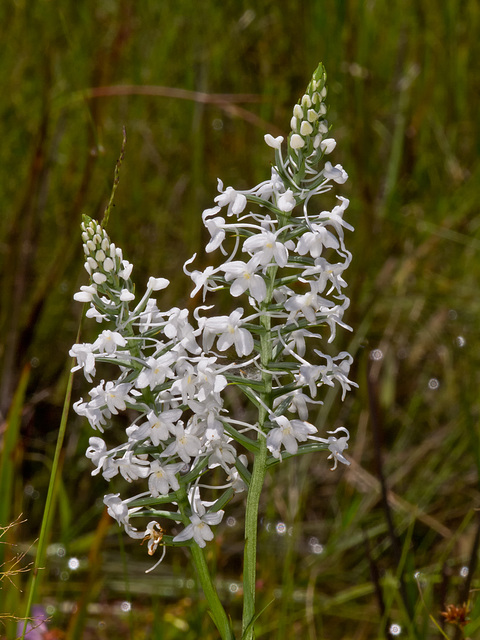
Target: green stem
{"x":258,"y":473}
{"x":216,"y":608}
{"x":49,"y":504}
{"x":217,"y":611}
{"x":250,"y":553}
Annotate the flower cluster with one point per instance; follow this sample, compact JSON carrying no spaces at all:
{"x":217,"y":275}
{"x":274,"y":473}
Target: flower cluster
{"x":173,"y":369}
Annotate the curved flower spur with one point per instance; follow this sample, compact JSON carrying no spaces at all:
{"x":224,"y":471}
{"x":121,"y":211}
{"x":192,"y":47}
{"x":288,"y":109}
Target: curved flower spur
{"x":169,"y":370}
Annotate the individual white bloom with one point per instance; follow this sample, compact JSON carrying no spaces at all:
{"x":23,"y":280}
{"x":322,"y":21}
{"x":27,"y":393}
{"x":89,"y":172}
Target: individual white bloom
{"x":86,"y":293}
{"x":208,"y":213}
{"x":159,"y":427}
{"x":296,"y":341}
{"x":336,"y":173}
{"x":150,"y":317}
{"x":108,"y":341}
{"x":265,"y":248}
{"x":206,"y":418}
{"x":179,"y":329}
{"x":155,"y":373}
{"x":157,"y":284}
{"x":328,"y":145}
{"x":222,"y":454}
{"x":113,"y":396}
{"x":307,"y":304}
{"x":126,"y":270}
{"x":163,"y":478}
{"x":244,"y":279}
{"x":286,"y":201}
{"x":288,"y":433}
{"x":334,"y":315}
{"x":229,"y":331}
{"x":339,"y":372}
{"x":296,"y":141}
{"x":312,"y":242}
{"x":203,"y":280}
{"x":266,"y":189}
{"x":337,"y":446}
{"x":335,"y":216}
{"x":98,"y":454}
{"x":298,"y":403}
{"x":85,"y":359}
{"x":116,"y":508}
{"x":236,"y":201}
{"x":275,"y":143}
{"x":216,"y":229}
{"x":93,"y":313}
{"x":209,"y":381}
{"x":185,"y":381}
{"x":324,"y":273}
{"x":199,"y":528}
{"x":126,"y":295}
{"x":186,"y":445}
{"x":132,"y":467}
{"x":309,"y":375}
{"x":94,"y":415}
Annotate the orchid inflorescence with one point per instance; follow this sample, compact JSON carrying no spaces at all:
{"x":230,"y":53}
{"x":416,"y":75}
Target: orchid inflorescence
{"x":173,"y":369}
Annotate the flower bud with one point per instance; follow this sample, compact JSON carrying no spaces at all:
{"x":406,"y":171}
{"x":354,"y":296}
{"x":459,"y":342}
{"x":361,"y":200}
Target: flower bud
{"x":296,"y":141}
{"x":298,"y":111}
{"x":306,"y":101}
{"x":275,"y":143}
{"x":328,"y":145}
{"x":99,"y":278}
{"x":157,"y":284}
{"x":108,"y":264}
{"x":306,"y":128}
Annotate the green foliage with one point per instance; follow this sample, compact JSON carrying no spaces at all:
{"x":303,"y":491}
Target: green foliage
{"x":403,"y":91}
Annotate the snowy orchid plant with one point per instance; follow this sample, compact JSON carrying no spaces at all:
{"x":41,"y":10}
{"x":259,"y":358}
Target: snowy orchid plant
{"x":170,"y":370}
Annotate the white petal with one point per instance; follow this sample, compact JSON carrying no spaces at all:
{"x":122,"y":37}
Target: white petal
{"x":275,"y":143}
{"x":296,"y":141}
{"x":126,"y":295}
{"x":328,"y":145}
{"x":157,"y":284}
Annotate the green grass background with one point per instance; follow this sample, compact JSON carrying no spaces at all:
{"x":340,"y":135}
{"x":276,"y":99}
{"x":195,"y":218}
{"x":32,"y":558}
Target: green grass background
{"x":404,"y":92}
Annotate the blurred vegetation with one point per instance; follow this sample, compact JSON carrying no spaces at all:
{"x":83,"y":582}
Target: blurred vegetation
{"x":390,"y":540}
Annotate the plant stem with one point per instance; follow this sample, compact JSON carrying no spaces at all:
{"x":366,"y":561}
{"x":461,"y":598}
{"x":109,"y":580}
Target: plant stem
{"x":250,"y":553}
{"x":217,"y":611}
{"x":258,"y":473}
{"x":50,"y":503}
{"x":216,"y":608}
